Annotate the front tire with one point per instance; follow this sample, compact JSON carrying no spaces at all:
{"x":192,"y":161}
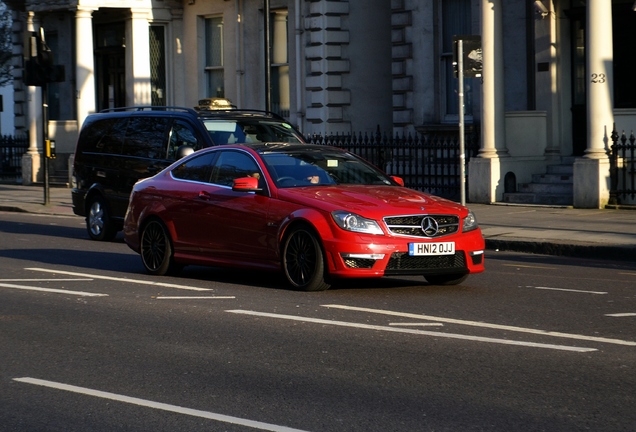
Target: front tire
{"x":156,"y":248}
{"x":303,"y":261}
{"x":99,"y":225}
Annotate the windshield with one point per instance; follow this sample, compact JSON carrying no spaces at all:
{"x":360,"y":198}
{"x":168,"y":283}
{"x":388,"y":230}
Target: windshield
{"x":239,"y":131}
{"x":321,"y":167}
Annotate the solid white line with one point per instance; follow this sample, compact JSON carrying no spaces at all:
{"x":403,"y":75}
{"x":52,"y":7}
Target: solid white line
{"x":45,"y":280}
{"x":569,"y":290}
{"x":418,"y":324}
{"x":51,"y":290}
{"x":193,"y":297}
{"x":620,"y":315}
{"x":143,"y":282}
{"x":411,"y":331}
{"x":158,"y":405}
{"x":485,"y":325}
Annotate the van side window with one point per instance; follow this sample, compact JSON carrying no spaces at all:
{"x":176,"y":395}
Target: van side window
{"x":103,"y":136}
{"x":146,"y":137}
{"x":180,"y":135}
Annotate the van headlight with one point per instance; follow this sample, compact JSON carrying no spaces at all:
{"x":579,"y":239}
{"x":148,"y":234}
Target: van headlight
{"x":352,"y":222}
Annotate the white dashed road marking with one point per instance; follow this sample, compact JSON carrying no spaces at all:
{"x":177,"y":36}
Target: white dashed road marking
{"x":568,"y":290}
{"x":486,"y":325}
{"x":52,"y":290}
{"x":412,"y":331}
{"x":137,"y":281}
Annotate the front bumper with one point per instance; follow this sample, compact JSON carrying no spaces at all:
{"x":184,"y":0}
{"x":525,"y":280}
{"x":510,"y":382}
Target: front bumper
{"x":375,"y":256}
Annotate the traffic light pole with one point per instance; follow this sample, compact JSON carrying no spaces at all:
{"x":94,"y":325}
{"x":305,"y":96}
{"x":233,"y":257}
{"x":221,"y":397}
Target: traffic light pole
{"x":45,"y":135}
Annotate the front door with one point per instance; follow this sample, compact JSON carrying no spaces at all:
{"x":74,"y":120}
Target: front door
{"x":110,"y":66}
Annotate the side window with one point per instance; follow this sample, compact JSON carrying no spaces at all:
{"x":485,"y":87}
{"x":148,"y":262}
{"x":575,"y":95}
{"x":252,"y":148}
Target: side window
{"x":146,"y":137}
{"x":215,"y":84}
{"x":195,"y":169}
{"x":181,"y":135}
{"x":103,"y":136}
{"x":113,"y":141}
{"x":231,"y":165}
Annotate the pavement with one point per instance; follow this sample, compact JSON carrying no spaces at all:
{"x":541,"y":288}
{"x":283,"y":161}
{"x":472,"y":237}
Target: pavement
{"x":548,"y":230}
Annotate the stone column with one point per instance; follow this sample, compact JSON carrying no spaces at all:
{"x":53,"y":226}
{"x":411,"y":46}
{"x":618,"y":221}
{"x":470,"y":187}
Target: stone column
{"x":85,"y":65}
{"x":591,"y":172}
{"x":179,"y":80}
{"x":484,"y":170}
{"x":138,"y":59}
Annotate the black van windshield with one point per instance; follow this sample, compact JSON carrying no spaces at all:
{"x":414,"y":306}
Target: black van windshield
{"x":232,"y":131}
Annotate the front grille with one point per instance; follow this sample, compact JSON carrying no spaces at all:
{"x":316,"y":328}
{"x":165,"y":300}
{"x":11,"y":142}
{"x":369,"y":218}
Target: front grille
{"x":412,"y":225}
{"x":402,"y":262}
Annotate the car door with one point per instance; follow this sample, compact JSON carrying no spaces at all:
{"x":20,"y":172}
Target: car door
{"x":183,"y":206}
{"x":233,"y":226}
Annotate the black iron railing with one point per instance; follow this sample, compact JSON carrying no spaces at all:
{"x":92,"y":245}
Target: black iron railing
{"x":622,"y":168}
{"x":11,"y":150}
{"x":428,"y":162}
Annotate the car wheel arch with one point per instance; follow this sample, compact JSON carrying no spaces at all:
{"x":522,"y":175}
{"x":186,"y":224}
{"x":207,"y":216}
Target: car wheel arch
{"x":312,"y":218}
{"x":145,"y":219}
{"x":91,"y":193}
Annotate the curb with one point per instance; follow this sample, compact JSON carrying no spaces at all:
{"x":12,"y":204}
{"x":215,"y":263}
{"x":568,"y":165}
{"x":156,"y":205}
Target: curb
{"x":592,"y":251}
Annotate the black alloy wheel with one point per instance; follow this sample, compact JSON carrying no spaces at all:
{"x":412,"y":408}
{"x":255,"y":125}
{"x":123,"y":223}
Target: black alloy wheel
{"x":156,"y":248}
{"x":303,"y":261}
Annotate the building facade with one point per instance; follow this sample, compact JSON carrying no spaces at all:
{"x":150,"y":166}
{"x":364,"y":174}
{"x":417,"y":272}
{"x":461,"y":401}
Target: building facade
{"x":555,"y":80}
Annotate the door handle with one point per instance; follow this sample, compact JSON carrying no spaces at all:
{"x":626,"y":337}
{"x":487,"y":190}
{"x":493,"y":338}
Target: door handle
{"x":205,"y":196}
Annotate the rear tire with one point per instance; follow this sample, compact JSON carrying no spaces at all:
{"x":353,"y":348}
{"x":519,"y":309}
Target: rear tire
{"x":446,"y":279}
{"x":303,"y":261}
{"x":156,"y":249}
{"x":99,"y":225}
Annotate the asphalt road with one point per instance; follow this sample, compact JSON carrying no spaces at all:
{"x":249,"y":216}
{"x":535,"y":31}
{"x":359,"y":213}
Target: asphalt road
{"x":90,"y":342}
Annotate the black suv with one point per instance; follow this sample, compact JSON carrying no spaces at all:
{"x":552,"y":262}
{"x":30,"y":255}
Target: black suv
{"x":118,"y":147}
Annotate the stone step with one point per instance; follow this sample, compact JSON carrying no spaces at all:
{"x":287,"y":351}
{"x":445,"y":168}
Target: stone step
{"x":546,"y":188}
{"x":560,"y":169}
{"x":552,"y":178}
{"x":555,"y":187}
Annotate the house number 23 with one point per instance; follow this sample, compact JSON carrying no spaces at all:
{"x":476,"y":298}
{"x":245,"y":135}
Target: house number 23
{"x":598,"y":78}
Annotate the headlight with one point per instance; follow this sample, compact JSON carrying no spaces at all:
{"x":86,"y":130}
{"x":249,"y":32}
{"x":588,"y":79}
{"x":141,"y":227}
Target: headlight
{"x":470,"y":222}
{"x":356,"y":223}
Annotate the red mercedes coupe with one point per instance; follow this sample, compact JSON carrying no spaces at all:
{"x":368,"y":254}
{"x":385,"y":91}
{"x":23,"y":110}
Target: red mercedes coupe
{"x":316,"y":213}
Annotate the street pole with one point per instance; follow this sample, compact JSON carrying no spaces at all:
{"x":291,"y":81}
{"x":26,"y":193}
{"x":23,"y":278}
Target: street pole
{"x":268,"y":58}
{"x":462,"y":144}
{"x":45,"y":135}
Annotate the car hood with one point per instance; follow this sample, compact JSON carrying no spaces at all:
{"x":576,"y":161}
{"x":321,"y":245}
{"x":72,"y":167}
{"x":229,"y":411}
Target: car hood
{"x":370,"y":201}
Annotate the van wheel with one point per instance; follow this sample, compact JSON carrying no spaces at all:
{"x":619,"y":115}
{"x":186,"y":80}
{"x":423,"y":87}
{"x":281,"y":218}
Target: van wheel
{"x":303,"y":261}
{"x":156,"y":249}
{"x":98,"y":223}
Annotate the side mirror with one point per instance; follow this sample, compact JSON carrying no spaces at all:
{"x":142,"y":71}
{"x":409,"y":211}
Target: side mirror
{"x":245,"y":184}
{"x":398,"y":180}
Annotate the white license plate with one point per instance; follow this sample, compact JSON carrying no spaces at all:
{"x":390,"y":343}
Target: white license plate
{"x":443,"y":248}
